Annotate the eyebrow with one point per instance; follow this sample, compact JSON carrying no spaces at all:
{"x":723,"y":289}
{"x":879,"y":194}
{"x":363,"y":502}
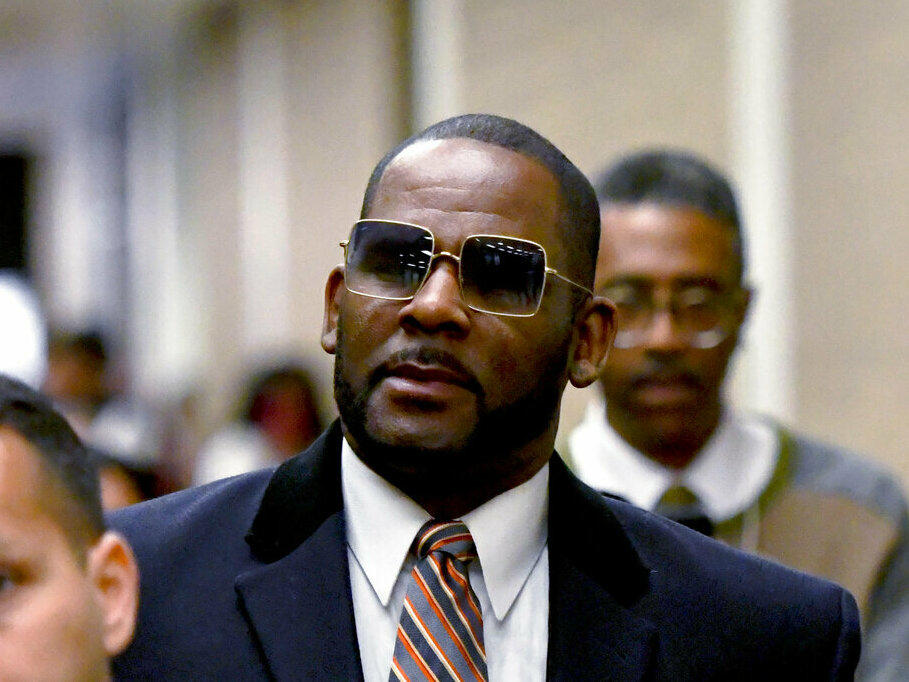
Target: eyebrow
{"x":678,"y":283}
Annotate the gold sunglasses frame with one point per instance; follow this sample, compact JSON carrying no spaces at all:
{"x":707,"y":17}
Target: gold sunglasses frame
{"x":457,"y":259}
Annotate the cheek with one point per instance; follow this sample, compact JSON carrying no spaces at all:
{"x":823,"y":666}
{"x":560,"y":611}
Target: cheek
{"x":621,"y":364}
{"x":53,"y":632}
{"x":516,"y":361}
{"x":712,"y":364}
{"x":361,"y":329}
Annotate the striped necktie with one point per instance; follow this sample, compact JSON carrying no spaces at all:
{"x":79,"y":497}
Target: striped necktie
{"x":440,"y":635}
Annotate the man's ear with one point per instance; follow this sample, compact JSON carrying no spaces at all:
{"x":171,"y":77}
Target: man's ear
{"x":594,"y":332}
{"x":115,"y":578}
{"x":744,"y":303}
{"x":334,"y":289}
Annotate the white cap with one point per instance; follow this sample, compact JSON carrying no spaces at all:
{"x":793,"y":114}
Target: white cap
{"x":23,"y":333}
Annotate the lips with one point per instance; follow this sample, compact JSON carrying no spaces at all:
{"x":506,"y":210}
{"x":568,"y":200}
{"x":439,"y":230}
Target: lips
{"x":665,"y":391}
{"x":426,"y":376}
{"x":426,"y":385}
{"x":430,"y":374}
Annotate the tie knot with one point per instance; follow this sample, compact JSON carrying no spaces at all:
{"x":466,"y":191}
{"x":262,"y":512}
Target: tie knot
{"x":681,"y":505}
{"x":451,"y":537}
{"x":678,"y":496}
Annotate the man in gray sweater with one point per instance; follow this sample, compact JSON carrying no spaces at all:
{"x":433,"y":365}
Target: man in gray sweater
{"x":672,"y":260}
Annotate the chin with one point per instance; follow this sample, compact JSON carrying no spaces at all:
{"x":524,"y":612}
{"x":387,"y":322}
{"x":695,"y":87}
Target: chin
{"x":666,"y":427}
{"x":428,"y":432}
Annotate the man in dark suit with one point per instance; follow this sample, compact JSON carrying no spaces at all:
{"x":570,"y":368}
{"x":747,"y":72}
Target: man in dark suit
{"x":430,"y":534}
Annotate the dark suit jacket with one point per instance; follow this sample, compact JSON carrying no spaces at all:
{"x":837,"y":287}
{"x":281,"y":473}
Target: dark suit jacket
{"x":247,"y":579}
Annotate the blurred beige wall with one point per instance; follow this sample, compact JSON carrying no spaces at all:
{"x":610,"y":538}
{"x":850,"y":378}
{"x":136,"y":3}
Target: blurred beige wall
{"x":850,"y":104}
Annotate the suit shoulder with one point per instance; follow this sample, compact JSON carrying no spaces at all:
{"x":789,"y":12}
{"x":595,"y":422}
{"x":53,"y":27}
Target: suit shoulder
{"x":228,"y":505}
{"x":682,"y":557}
{"x":831,"y":470}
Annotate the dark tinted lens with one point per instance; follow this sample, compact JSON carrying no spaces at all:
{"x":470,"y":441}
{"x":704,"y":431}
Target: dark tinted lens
{"x":388,"y":260}
{"x":502,"y":275}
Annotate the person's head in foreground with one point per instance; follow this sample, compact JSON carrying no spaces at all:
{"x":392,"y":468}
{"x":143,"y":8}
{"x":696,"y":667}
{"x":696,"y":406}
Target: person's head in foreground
{"x":672,"y":260}
{"x":68,"y":587}
{"x":463,"y":309}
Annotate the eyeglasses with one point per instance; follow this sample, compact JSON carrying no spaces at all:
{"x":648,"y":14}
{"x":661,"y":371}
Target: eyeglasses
{"x":702,"y":316}
{"x":497,"y":274}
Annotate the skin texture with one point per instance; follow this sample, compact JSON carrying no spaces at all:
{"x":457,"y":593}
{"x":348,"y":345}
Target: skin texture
{"x":664,"y":397}
{"x":118,"y":489}
{"x":450,"y":405}
{"x":62,"y":611}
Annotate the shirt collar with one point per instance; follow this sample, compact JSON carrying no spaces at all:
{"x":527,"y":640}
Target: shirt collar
{"x":509,"y":531}
{"x":728,"y":474}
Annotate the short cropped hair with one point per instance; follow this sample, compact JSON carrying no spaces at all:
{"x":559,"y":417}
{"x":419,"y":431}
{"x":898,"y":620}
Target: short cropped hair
{"x":674,"y":178}
{"x":580,"y":216}
{"x":63,"y":456}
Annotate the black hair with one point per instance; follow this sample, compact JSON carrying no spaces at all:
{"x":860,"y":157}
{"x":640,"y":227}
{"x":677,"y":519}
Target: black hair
{"x":260,"y":384}
{"x":63,"y":456}
{"x":580,"y":211}
{"x":670,"y":177}
{"x":88,"y":343}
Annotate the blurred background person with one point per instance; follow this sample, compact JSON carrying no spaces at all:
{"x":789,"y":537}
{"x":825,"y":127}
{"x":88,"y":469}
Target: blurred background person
{"x":124,"y":434}
{"x":278,"y":419}
{"x":68,"y":587}
{"x":120,"y":485}
{"x":77,"y":380}
{"x":672,"y":259}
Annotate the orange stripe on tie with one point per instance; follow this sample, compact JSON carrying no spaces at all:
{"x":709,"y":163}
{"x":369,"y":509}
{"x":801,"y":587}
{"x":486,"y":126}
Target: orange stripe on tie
{"x":433,"y":643}
{"x":437,"y":567}
{"x":470,"y":594}
{"x":415,"y":655}
{"x":437,"y":608}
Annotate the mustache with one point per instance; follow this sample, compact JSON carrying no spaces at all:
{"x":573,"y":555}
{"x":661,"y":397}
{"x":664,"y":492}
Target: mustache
{"x":666,"y":371}
{"x":426,"y":356}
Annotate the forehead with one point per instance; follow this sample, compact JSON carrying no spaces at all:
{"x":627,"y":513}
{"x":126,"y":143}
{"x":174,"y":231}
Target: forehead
{"x":459,"y":186}
{"x":24,"y":489}
{"x":664,"y":243}
{"x":22,"y":478}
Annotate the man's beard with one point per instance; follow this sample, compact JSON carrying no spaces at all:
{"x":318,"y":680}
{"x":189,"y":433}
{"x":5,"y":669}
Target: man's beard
{"x":485,"y":451}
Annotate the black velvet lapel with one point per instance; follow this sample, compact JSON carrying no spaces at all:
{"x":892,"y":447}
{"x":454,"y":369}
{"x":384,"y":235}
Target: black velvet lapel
{"x":302,"y":493}
{"x":595,"y":577}
{"x":298,"y":604}
{"x":300,"y":609}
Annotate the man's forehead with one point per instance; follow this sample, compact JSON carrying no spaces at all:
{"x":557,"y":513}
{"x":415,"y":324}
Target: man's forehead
{"x":461,"y":174}
{"x":22,"y":477}
{"x":664,"y":241}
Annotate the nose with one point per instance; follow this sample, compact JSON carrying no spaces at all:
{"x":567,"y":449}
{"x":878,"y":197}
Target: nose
{"x":663,"y":334}
{"x":437,"y":306}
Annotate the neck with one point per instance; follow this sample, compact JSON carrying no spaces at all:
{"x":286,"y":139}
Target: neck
{"x":670,"y":441}
{"x":460,"y":482}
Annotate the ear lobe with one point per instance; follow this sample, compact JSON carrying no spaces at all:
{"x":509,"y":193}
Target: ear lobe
{"x":115,"y":578}
{"x":594,"y":332}
{"x":334,"y":289}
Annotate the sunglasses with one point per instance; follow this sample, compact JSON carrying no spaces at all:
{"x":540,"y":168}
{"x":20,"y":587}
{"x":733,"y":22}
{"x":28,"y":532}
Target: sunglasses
{"x":497,"y":274}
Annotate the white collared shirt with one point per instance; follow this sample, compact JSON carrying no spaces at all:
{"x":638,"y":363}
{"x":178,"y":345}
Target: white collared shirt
{"x":728,"y":474}
{"x":511,"y":577}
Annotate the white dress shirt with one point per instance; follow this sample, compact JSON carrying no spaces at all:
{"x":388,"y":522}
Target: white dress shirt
{"x":510,"y":578}
{"x":728,"y":474}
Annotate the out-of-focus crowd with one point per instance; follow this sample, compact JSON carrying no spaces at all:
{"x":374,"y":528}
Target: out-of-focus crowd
{"x":147,"y":450}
